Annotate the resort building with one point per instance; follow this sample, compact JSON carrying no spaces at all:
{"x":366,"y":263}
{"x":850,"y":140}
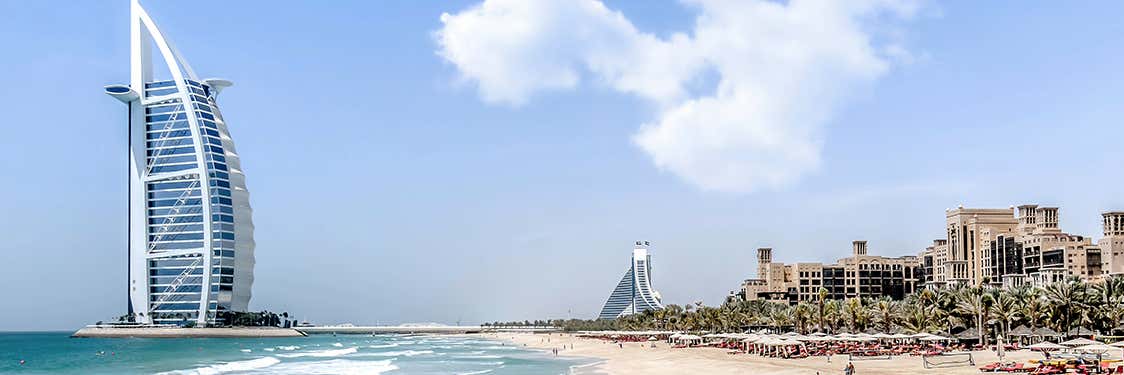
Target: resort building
{"x":1013,"y":246}
{"x":859,"y":276}
{"x":634,"y":293}
{"x":191,"y":246}
{"x":1112,"y":244}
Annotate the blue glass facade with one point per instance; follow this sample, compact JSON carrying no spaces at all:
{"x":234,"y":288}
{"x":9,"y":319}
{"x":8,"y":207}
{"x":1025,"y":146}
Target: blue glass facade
{"x":191,"y":246}
{"x":176,"y":220}
{"x":634,"y":293}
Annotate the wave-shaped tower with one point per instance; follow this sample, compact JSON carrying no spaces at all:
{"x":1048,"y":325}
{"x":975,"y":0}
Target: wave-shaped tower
{"x":634,"y":293}
{"x":191,"y":236}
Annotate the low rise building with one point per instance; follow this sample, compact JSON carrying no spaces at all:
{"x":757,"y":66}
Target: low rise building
{"x":1014,"y":246}
{"x":860,"y":275}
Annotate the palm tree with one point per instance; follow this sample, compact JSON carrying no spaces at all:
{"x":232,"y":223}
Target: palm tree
{"x":801,"y":314}
{"x":1004,"y":310}
{"x":855,"y":313}
{"x":1063,"y":297}
{"x":821,"y":296}
{"x":974,"y":302}
{"x":833,"y":312}
{"x":886,"y":309}
{"x":915,"y":319}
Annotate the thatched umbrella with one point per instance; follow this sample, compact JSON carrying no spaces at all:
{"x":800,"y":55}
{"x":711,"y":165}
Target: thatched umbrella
{"x":1080,"y":331}
{"x":968,"y":335}
{"x":1046,"y":332}
{"x":1021,"y":331}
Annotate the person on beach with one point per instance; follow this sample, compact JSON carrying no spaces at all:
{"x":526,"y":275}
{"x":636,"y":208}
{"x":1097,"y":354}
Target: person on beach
{"x":850,"y":369}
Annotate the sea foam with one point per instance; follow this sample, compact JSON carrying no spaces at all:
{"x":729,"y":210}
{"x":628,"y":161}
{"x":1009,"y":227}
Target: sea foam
{"x":247,"y":365}
{"x":322,"y":353}
{"x":333,"y":366}
{"x":405,"y":353}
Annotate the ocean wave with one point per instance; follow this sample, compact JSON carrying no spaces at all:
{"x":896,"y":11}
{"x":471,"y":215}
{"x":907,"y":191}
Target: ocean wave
{"x":247,"y":350}
{"x":322,"y":353}
{"x":338,"y":345}
{"x":407,"y":353}
{"x":501,"y":347}
{"x":269,"y":349}
{"x":333,"y":366}
{"x":289,"y":347}
{"x":247,"y":365}
{"x":477,"y":372}
{"x":390,"y":345}
{"x":489,"y":356}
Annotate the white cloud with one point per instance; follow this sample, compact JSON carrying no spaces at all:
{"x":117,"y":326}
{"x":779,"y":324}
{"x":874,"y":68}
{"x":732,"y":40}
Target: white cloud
{"x":782,"y":70}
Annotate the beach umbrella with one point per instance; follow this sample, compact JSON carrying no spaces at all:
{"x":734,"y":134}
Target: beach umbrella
{"x":1021,"y":331}
{"x":882,"y":336}
{"x":819,"y":334}
{"x":900,"y":336}
{"x":934,"y":338}
{"x":968,"y":335}
{"x":1046,"y":345}
{"x":1045,"y":332}
{"x":1098,"y":347}
{"x":1080,"y":341}
{"x":653,"y":338}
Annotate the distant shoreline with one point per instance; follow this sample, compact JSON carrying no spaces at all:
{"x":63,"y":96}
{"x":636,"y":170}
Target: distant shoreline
{"x":177,"y":332}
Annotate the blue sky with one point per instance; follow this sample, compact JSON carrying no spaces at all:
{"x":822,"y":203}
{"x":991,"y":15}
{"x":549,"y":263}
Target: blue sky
{"x":387,"y":187}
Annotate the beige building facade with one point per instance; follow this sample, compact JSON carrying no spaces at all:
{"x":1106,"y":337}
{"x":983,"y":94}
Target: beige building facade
{"x":859,"y":275}
{"x":1013,"y":246}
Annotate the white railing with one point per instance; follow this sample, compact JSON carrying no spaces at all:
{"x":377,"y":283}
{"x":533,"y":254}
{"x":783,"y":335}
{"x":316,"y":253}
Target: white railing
{"x":175,"y":284}
{"x":174,"y":210}
{"x":156,"y":148}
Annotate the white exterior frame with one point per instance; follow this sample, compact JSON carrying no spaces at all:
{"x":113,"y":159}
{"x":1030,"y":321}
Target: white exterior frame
{"x":144,"y":34}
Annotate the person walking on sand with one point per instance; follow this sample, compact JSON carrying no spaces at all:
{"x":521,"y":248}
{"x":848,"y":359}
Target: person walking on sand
{"x":850,"y":369}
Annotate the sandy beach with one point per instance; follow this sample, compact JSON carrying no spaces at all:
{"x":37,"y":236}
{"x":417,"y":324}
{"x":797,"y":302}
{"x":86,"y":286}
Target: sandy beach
{"x":640,"y":358}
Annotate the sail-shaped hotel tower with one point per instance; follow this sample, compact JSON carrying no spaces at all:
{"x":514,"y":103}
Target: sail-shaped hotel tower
{"x":191,"y":244}
{"x":634,"y":293}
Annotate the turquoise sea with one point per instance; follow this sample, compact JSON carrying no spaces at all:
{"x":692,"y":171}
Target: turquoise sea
{"x":57,"y":353}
